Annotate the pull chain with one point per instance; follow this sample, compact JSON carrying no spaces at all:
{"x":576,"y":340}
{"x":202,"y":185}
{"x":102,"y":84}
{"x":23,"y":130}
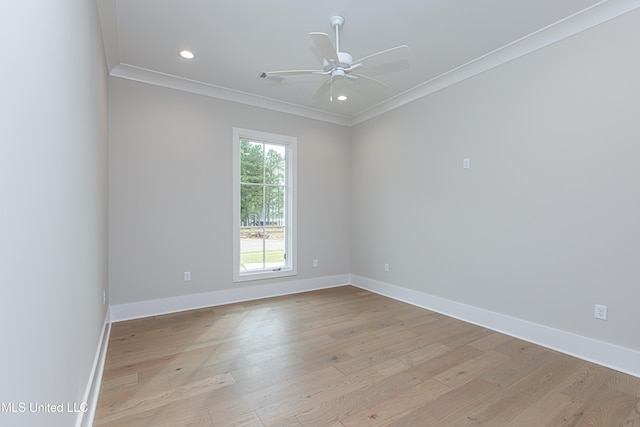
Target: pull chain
{"x":331,"y":90}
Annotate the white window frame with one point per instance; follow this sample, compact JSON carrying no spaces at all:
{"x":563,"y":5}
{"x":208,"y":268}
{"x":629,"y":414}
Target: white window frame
{"x":290,"y":144}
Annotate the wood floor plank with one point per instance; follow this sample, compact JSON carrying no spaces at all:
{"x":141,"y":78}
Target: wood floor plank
{"x":517,"y":396}
{"x":553,"y":409}
{"x":344,"y":357}
{"x":246,"y":419}
{"x":450,"y":409}
{"x":490,"y":341}
{"x":429,"y":368}
{"x":471,"y":369}
{"x":120,"y":381}
{"x":381,"y":351}
{"x":310,"y":397}
{"x":148,"y":400}
{"x":341,"y":405}
{"x":167,"y":417}
{"x":519,"y":366}
{"x":585,"y":381}
{"x":625,"y":383}
{"x":398,"y":406}
{"x":411,"y":359}
{"x":633,"y":418}
{"x":606,"y":407}
{"x":383,"y":342}
{"x":400,"y":325}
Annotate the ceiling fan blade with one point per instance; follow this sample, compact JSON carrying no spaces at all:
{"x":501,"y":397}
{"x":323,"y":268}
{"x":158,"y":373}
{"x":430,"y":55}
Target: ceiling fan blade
{"x":387,"y":67}
{"x":397,"y":53}
{"x":285,"y":73}
{"x":369,"y":86}
{"x":322,"y":90}
{"x":324,"y":45}
{"x":353,"y":67}
{"x":370,"y":79}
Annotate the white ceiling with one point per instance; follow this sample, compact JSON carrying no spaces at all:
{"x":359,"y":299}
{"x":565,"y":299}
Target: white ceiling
{"x":234,"y":41}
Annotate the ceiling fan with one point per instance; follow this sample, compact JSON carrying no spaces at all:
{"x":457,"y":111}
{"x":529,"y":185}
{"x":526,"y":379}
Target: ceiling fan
{"x":339,"y":65}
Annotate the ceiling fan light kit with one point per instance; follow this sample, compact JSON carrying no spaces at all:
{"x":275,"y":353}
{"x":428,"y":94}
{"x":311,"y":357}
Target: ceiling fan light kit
{"x":337,"y":65}
{"x":186,"y":54}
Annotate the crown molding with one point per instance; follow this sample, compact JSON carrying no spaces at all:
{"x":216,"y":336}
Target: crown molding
{"x":585,"y":19}
{"x":590,"y":17}
{"x":143,"y":75}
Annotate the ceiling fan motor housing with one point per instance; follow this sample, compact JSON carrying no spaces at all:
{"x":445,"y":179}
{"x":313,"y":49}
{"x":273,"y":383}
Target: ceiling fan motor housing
{"x":344,"y":61}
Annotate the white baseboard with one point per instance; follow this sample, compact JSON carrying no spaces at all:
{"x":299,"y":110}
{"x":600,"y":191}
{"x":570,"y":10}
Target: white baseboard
{"x":612,"y":356}
{"x":85,"y":419}
{"x":136,"y":310}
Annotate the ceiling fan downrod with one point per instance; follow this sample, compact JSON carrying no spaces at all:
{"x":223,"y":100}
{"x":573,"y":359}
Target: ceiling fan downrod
{"x":337,"y":22}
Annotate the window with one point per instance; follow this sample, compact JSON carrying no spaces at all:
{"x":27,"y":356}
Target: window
{"x":264,"y":205}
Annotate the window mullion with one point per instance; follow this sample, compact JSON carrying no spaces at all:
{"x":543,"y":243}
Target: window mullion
{"x":264,"y":206}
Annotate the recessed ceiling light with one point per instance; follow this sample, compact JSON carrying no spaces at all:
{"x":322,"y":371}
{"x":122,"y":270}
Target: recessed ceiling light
{"x":187,"y":54}
{"x":342,"y":97}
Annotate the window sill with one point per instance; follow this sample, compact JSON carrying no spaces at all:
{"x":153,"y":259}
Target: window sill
{"x":264,"y":274}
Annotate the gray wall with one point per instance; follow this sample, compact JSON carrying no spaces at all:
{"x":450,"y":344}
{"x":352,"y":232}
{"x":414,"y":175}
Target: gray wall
{"x":170,"y":179}
{"x":53,"y":219}
{"x":545,"y":222}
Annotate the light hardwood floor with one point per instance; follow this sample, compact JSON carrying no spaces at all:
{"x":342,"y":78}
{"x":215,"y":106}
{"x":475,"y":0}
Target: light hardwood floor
{"x":346,"y":357}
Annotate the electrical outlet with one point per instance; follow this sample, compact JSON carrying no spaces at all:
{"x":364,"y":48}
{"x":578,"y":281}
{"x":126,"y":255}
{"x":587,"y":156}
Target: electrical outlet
{"x":601,"y":312}
{"x":466,"y":163}
{"x":386,"y":267}
{"x":315,"y":263}
{"x":104,"y":297}
{"x":187,"y":276}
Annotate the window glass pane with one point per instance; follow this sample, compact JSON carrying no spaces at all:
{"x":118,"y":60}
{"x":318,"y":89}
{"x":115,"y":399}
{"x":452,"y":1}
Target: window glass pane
{"x":274,"y":247}
{"x":251,"y":162}
{"x":251,"y":249}
{"x":274,"y":164}
{"x":274,"y":207}
{"x":251,"y":205}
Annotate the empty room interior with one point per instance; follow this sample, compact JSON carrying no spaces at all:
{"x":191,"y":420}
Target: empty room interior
{"x":451,"y":237}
